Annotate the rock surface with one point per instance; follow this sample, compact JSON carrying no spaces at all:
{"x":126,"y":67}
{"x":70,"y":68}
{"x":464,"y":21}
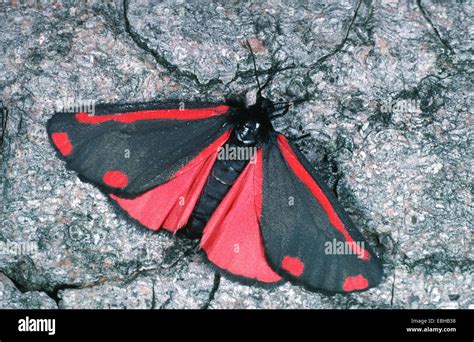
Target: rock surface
{"x":388,"y":111}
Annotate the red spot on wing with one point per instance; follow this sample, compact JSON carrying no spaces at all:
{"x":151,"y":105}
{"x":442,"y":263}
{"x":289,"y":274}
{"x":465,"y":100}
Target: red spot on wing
{"x":115,"y":179}
{"x":170,"y":205}
{"x":354,"y":283}
{"x":306,"y":178}
{"x":62,"y":143}
{"x":175,"y":114}
{"x":293,"y":265}
{"x":232,"y":238}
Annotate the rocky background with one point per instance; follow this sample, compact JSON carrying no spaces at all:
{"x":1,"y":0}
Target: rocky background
{"x":388,"y":110}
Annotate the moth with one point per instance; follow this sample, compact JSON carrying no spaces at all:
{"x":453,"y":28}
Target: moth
{"x":264,"y":216}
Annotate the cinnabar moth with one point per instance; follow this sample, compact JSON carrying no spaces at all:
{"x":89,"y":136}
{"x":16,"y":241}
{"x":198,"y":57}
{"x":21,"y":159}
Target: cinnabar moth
{"x":265,"y":217}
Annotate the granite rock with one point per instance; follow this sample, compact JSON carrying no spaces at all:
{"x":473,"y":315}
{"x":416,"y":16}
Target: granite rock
{"x":387,"y":106}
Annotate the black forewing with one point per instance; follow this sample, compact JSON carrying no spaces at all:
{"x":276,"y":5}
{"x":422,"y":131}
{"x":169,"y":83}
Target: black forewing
{"x":296,"y":230}
{"x":148,"y":152}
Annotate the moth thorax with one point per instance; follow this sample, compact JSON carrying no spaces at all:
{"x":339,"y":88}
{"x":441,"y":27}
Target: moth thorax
{"x":248,"y":132}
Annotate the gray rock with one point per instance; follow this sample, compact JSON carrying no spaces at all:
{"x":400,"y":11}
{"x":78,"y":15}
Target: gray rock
{"x":12,"y":298}
{"x":388,"y":111}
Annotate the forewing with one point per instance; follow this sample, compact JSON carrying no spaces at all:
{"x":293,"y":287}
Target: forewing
{"x":129,"y":149}
{"x":308,"y":237}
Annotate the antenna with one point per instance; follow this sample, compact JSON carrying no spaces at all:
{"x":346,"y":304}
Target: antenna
{"x":254,"y":67}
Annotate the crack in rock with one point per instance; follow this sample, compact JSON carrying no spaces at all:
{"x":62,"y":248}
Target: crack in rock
{"x":172,"y":69}
{"x":425,"y":15}
{"x":153,"y":295}
{"x":212,"y":293}
{"x":339,"y":46}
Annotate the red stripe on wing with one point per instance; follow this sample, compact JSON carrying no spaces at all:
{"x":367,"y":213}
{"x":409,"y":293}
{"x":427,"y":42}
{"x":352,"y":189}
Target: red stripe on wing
{"x":306,"y":178}
{"x":232,"y":238}
{"x":171,"y":204}
{"x":175,"y":114}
